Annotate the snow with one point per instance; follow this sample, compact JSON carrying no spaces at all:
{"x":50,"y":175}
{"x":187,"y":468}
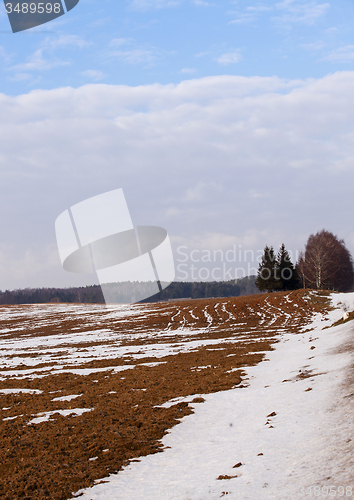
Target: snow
{"x":42,"y":372}
{"x":290,"y":428}
{"x":174,"y":401}
{"x":67,"y":398}
{"x":158,"y":350}
{"x":12,"y":418}
{"x":60,"y":349}
{"x":18,"y":391}
{"x":43,"y":417}
{"x":344,"y":299}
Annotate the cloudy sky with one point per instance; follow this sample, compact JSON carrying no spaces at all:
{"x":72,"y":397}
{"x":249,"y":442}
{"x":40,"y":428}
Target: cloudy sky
{"x":229,"y":123}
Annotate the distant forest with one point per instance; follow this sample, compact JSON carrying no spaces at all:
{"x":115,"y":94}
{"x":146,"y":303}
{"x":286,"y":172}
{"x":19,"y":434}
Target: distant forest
{"x":93,"y":294}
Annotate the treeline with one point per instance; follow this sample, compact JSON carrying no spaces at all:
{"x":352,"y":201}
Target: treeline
{"x":206,"y":289}
{"x":93,"y":294}
{"x":325,"y":264}
{"x":88,"y":294}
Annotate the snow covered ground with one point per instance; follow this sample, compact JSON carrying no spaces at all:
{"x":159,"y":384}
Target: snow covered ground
{"x":290,"y":432}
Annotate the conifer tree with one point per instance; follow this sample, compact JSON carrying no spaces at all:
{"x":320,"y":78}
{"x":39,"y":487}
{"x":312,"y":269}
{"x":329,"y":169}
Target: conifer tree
{"x":300,"y":269}
{"x":288,"y":278}
{"x":267,"y":271}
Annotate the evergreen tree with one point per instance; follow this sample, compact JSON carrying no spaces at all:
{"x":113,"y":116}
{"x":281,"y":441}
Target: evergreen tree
{"x":300,"y":269}
{"x":287,"y":276}
{"x":268,"y":271}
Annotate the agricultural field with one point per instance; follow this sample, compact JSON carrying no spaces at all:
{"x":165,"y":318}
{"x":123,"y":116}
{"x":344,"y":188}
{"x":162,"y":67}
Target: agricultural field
{"x":248,"y":397}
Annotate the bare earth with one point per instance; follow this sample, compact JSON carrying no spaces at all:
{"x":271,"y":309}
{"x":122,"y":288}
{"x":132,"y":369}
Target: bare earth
{"x":121,"y":363}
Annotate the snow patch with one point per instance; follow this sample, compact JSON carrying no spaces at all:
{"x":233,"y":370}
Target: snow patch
{"x":45,"y":416}
{"x":19,"y":391}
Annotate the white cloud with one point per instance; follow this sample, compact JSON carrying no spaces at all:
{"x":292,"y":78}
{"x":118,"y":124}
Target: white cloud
{"x":201,"y":191}
{"x":20,"y":77}
{"x":43,"y":58}
{"x":4,"y":55}
{"x":37,"y":62}
{"x":242,"y":18}
{"x":126,"y":50}
{"x":341,"y":55}
{"x":189,"y":71}
{"x":230,"y":58}
{"x":220,"y":241}
{"x":134,"y":56}
{"x":118,"y":42}
{"x":223,"y":155}
{"x":301,"y":12}
{"x":259,"y":8}
{"x":33,"y":266}
{"x":93,"y":74}
{"x":66,"y":41}
{"x":154,"y":4}
{"x":98,"y":23}
{"x":315,"y":46}
{"x":331,"y":30}
{"x":290,"y":12}
{"x":200,"y":3}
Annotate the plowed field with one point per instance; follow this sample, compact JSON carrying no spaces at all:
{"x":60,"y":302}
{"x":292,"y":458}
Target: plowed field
{"x":83,"y":387}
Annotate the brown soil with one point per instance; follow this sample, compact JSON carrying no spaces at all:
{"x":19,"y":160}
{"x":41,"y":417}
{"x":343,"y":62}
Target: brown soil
{"x":51,"y":460}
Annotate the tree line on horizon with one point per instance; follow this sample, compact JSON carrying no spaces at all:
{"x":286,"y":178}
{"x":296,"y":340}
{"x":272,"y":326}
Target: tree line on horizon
{"x":325,"y":264}
{"x":93,"y":294}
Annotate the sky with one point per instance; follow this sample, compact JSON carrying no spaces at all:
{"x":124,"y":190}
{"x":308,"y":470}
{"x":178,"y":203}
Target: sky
{"x":228,"y":123}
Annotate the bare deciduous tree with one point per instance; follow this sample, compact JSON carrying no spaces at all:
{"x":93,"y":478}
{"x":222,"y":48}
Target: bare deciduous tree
{"x":326,"y":263}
